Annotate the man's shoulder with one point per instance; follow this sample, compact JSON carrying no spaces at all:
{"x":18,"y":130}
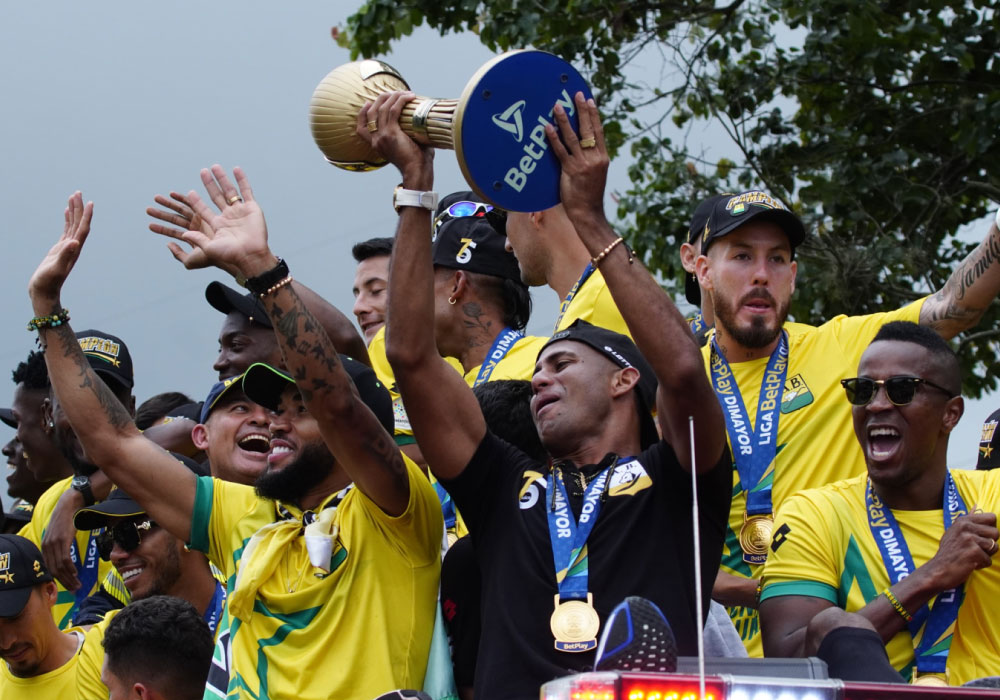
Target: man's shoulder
{"x":836,"y":499}
{"x":48,"y":500}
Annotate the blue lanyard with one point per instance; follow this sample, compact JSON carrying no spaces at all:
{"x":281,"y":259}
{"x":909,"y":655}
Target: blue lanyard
{"x":931,"y":653}
{"x":86,"y":570}
{"x":569,"y":537}
{"x":214,"y":610}
{"x":697,"y":323}
{"x":447,"y":506}
{"x":564,"y":306}
{"x":753,"y":448}
{"x":502,"y":344}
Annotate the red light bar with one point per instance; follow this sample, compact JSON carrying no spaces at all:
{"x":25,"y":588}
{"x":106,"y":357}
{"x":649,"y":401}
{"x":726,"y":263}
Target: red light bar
{"x":662,"y":686}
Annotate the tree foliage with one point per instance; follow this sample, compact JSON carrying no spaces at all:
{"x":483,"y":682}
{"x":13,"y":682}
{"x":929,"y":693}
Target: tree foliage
{"x":877,"y":122}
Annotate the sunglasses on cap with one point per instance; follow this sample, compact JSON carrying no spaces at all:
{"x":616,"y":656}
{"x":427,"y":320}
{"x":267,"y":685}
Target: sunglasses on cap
{"x":126,"y":535}
{"x":900,"y":390}
{"x":459,"y":210}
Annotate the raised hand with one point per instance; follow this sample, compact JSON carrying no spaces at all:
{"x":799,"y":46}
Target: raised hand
{"x":584,"y":159}
{"x":235,"y":238}
{"x":47,"y":281}
{"x":413,"y":160}
{"x":178,"y":212}
{"x":967,"y":545}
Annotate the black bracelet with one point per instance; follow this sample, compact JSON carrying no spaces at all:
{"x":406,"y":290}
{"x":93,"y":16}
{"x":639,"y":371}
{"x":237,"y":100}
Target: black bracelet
{"x":259,"y":285}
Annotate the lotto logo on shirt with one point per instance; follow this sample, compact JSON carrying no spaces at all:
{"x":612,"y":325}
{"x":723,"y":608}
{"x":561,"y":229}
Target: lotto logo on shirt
{"x":796,"y":395}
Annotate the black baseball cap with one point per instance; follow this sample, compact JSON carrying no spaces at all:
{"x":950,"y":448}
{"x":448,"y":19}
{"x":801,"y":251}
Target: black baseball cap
{"x":119,"y":504}
{"x":698,"y":228}
{"x":21,"y":569}
{"x":471,"y":244}
{"x":264,"y":384}
{"x":218,"y":390}
{"x":989,"y":443}
{"x":622,"y":351}
{"x":7,"y":417}
{"x":227,"y":300}
{"x":108,"y":356}
{"x":730,"y":212}
{"x":20,"y":512}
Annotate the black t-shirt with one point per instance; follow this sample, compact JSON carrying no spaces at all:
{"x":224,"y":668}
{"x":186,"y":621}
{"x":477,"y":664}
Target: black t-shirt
{"x":641,"y":545}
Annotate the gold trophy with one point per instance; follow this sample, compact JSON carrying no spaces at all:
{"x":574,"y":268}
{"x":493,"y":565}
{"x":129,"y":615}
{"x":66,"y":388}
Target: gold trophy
{"x":496,"y":127}
{"x":341,"y":95}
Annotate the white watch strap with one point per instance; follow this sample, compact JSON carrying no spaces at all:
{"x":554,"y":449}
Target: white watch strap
{"x":414,"y":198}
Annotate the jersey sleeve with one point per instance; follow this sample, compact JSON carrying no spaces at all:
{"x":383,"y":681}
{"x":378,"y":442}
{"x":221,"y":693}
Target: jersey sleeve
{"x":801,"y":560}
{"x":88,"y":666}
{"x":218,"y":508}
{"x":854,"y":333}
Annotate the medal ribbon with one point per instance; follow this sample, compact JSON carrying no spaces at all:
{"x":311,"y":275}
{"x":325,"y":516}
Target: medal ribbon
{"x":937,"y":622}
{"x":502,"y":344}
{"x":697,"y":323}
{"x":587,"y":272}
{"x":214,"y":611}
{"x":754,"y":448}
{"x":569,"y":537}
{"x":86,"y":569}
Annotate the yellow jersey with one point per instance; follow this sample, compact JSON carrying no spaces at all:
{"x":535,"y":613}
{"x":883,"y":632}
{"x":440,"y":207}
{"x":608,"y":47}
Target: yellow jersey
{"x":90,"y":568}
{"x":593,"y":303}
{"x":361,"y":629}
{"x":80,"y":677}
{"x":518,"y":363}
{"x":823,"y":548}
{"x":815,"y":440}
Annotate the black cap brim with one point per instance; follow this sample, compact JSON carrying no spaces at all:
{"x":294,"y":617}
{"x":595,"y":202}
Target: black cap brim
{"x":786,"y":220}
{"x":12,"y":602}
{"x":227,"y":300}
{"x":7,"y":416}
{"x":264,"y":384}
{"x":98,"y":515}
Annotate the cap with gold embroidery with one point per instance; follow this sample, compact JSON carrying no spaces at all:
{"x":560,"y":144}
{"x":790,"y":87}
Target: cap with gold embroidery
{"x":21,"y":569}
{"x":989,"y":443}
{"x":108,"y":356}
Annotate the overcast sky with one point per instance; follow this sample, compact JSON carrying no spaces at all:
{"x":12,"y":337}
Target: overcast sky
{"x":125,"y":100}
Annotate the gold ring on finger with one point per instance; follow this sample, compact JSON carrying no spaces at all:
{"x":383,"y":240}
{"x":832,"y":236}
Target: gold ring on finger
{"x":235,"y":198}
{"x":373,"y":125}
{"x":588,"y":143}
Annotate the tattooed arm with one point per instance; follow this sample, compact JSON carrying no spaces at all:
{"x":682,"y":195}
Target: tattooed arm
{"x":971,"y":288}
{"x":354,"y":435}
{"x":150,"y":475}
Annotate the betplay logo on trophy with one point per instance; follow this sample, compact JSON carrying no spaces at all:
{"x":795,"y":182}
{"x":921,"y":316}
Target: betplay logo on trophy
{"x":496,"y":128}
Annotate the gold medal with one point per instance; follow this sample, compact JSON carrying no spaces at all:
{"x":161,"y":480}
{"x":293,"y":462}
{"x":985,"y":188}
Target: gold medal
{"x":574,"y":624}
{"x":938,"y":680}
{"x":755,"y":536}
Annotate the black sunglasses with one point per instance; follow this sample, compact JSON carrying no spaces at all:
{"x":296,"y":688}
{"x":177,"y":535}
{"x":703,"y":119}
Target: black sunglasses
{"x":900,"y":390}
{"x":125,"y":534}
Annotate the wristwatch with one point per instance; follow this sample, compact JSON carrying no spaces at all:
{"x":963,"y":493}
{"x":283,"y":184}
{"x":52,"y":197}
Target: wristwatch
{"x":82,"y":484}
{"x":414,"y":198}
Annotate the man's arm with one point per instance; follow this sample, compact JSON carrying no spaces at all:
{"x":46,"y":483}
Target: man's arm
{"x":966,"y":546}
{"x":659,"y":330}
{"x":177,"y":211}
{"x":158,"y":482}
{"x":443,"y":411}
{"x":970,"y":289}
{"x":352,"y":432}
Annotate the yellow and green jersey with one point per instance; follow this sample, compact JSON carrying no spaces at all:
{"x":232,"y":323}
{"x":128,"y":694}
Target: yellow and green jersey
{"x":815,"y":440}
{"x":80,"y":677}
{"x":90,"y":568}
{"x":823,"y":548}
{"x":359,"y":630}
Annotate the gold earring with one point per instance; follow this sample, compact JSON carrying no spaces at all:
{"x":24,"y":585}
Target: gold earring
{"x":451,"y":300}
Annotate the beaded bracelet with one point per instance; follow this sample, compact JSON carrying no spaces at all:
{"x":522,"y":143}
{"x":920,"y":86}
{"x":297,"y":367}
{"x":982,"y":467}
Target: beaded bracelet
{"x":604,"y":253}
{"x":276,"y":287}
{"x":57,"y":319}
{"x":896,"y":605}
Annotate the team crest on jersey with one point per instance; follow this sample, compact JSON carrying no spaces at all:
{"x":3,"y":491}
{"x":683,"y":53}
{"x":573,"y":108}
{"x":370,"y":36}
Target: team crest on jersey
{"x":531,"y":489}
{"x":629,"y":479}
{"x":400,"y":419}
{"x":796,"y":395}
